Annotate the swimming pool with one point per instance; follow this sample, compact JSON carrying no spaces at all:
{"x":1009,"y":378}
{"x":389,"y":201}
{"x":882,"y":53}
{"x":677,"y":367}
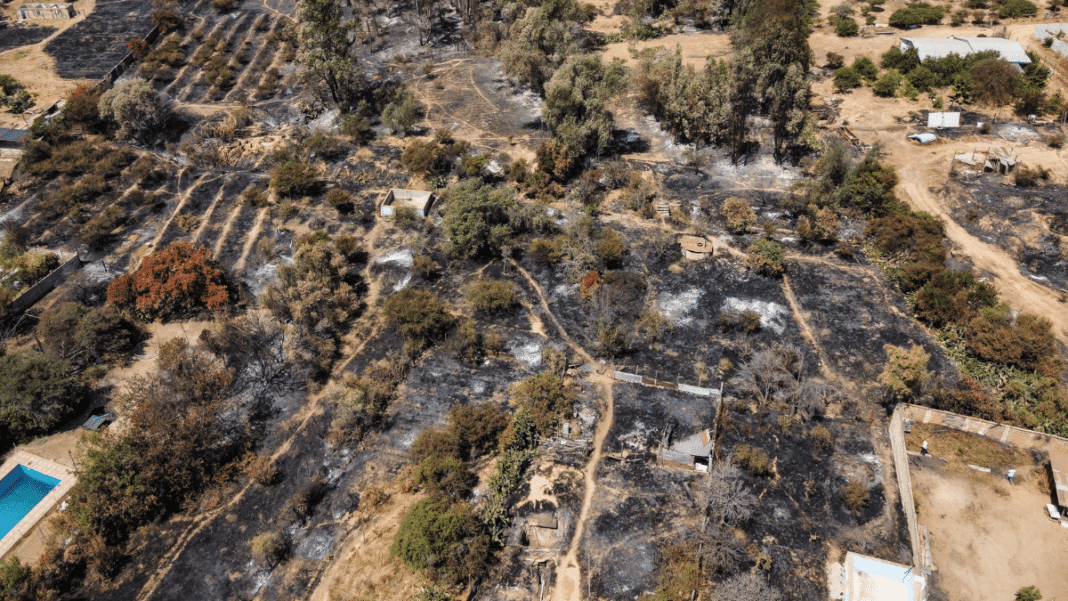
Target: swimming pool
{"x":20,"y":491}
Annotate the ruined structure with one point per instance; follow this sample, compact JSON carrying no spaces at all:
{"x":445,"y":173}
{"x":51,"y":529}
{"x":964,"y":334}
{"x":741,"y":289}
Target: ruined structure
{"x":691,"y":453}
{"x":420,"y":200}
{"x":696,"y":248}
{"x":50,"y":11}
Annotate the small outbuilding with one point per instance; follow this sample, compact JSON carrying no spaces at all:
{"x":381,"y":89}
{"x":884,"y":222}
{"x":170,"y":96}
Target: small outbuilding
{"x":937,"y":120}
{"x":696,"y":248}
{"x":11,"y":138}
{"x":419,"y":200}
{"x":923,"y":138}
{"x":691,"y":453}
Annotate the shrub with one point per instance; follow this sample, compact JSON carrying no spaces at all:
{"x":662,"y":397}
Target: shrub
{"x":821,"y":437}
{"x":36,"y":394}
{"x":753,"y":460}
{"x":1029,"y":593}
{"x":339,"y":199}
{"x":766,"y":257}
{"x":547,"y":398}
{"x":953,"y":297}
{"x":744,"y":321}
{"x":908,"y":236}
{"x":993,"y":82}
{"x":835,"y":60}
{"x":427,"y":158}
{"x":427,"y":268}
{"x":139,"y":111}
{"x":847,"y":28}
{"x":477,"y":219}
{"x":969,"y":398}
{"x":420,"y":316}
{"x":224,"y":6}
{"x":270,"y":548}
{"x":139,"y":48}
{"x":919,"y":13}
{"x":432,"y":531}
{"x":855,"y":494}
{"x":403,"y":112}
{"x":544,"y":251}
{"x":167,"y":20}
{"x":905,"y":373}
{"x":446,"y":477}
{"x":610,"y":248}
{"x":356,"y":127}
{"x":887,"y":85}
{"x":493,"y":296}
{"x":866,"y":68}
{"x":738,"y":216}
{"x":263,"y":471}
{"x":294,"y":179}
{"x":845,"y":79}
{"x":177,"y":279}
{"x":1014,"y":9}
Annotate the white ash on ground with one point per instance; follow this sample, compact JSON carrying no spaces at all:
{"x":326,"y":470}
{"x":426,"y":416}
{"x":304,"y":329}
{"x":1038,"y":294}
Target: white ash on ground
{"x":772,"y":315}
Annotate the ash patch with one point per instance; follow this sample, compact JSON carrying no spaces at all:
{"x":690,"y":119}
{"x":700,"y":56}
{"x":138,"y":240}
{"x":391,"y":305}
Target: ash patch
{"x":15,"y":36}
{"x":527,"y":349}
{"x":772,"y":315}
{"x":316,"y":545}
{"x":91,"y":48}
{"x":677,"y":307}
{"x":402,"y":257}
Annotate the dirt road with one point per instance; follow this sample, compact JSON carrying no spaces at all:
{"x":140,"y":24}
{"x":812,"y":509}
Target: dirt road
{"x":920,"y":171}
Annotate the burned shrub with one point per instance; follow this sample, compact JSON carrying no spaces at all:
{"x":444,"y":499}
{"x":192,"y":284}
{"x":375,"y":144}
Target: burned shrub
{"x":445,"y":477}
{"x":467,"y":343}
{"x":855,"y":494}
{"x":84,"y":335}
{"x":821,"y":437}
{"x":905,"y":375}
{"x":302,"y":505}
{"x":753,"y":459}
{"x":294,"y":179}
{"x":177,"y":279}
{"x":262,"y":470}
{"x":908,"y":237}
{"x":766,"y":257}
{"x":360,"y":403}
{"x":270,"y":548}
{"x":953,"y":297}
{"x":969,"y":398}
{"x":741,"y":321}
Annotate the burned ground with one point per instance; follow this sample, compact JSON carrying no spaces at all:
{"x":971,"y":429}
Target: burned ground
{"x":1029,"y":223}
{"x":853,"y":322}
{"x":24,"y":35}
{"x":91,"y":48}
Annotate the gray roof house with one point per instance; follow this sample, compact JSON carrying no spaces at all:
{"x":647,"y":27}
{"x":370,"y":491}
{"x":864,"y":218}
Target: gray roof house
{"x":690,"y":453}
{"x":1010,"y":51}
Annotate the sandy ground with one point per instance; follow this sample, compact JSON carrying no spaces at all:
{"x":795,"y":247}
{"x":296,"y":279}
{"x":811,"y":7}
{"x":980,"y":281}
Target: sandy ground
{"x":987,"y":545}
{"x":695,"y":47}
{"x":35,"y":69}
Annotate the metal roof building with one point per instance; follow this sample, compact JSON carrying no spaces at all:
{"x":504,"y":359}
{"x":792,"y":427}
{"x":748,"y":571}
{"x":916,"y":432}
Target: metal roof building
{"x":1058,"y":463}
{"x":12,"y":135}
{"x":1010,"y":51}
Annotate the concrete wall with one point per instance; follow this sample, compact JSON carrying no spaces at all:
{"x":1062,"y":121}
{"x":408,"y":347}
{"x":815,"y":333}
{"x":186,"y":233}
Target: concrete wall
{"x":37,"y":291}
{"x":904,"y":484}
{"x":116,"y":72}
{"x":1003,"y":433}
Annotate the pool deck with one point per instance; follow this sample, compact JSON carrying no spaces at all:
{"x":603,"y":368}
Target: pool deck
{"x":48,"y":468}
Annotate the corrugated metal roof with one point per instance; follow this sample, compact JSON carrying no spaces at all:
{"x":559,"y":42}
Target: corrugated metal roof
{"x":927,"y":48}
{"x":698,"y":445}
{"x":923,"y":138}
{"x":936,"y":47}
{"x":12,"y":135}
{"x":1009,"y":50}
{"x":943,"y":120}
{"x":676,"y":457}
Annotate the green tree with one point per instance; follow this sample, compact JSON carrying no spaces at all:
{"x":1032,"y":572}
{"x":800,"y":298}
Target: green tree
{"x":866,"y":68}
{"x":993,"y":82}
{"x":140,"y":112}
{"x":847,"y":28}
{"x":766,"y":257}
{"x":431,"y":532}
{"x":1014,"y":9}
{"x":922,"y":78}
{"x":845,"y":79}
{"x":325,"y":39}
{"x":542,"y":40}
{"x":547,"y":397}
{"x":477,"y":219}
{"x":1029,"y":593}
{"x":402,"y":112}
{"x":905,"y":374}
{"x":36,"y":393}
{"x":887,"y":85}
{"x":575,"y":104}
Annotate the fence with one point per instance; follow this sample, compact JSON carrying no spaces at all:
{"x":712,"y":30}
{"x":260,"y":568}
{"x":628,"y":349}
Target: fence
{"x":623,"y":376}
{"x":117,"y":71}
{"x":920,"y":558}
{"x":37,"y":291}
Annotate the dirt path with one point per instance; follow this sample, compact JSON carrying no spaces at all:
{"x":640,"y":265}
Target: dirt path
{"x":806,"y":331}
{"x":569,"y":573}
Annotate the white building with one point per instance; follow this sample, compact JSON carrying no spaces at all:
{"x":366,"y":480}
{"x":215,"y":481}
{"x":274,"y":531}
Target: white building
{"x":1010,"y":51}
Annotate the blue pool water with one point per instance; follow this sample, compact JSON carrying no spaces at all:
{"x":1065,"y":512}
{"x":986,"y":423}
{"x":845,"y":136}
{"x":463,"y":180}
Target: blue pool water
{"x":21,"y":490}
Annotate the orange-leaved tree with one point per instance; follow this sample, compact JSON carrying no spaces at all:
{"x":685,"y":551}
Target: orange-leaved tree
{"x":176,"y":279}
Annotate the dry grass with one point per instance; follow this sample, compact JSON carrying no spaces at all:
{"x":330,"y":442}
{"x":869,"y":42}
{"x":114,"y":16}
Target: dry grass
{"x":963,"y":448}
